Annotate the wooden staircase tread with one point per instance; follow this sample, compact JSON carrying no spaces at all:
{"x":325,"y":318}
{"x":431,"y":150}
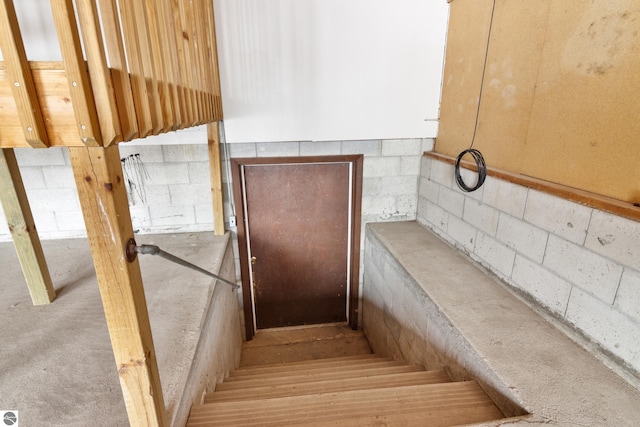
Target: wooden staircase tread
{"x":443,"y":401}
{"x":345,"y":365}
{"x":349,"y":345}
{"x":333,"y":385}
{"x":310,"y":362}
{"x":312,"y":370}
{"x":286,"y":336}
{"x":273,"y":380}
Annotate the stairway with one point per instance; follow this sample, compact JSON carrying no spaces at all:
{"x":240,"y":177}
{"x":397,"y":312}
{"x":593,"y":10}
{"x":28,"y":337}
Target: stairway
{"x":328,"y":376}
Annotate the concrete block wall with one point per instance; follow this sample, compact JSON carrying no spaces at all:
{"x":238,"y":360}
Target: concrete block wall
{"x":176,"y":195}
{"x":390,"y":176}
{"x":580,"y":264}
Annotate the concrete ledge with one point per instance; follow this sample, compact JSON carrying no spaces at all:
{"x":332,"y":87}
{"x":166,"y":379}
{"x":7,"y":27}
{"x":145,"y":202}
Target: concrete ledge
{"x":216,"y":350}
{"x":426,"y":303}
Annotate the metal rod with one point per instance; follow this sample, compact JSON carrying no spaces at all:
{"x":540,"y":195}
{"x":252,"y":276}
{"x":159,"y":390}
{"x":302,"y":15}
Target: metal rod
{"x":155,"y":250}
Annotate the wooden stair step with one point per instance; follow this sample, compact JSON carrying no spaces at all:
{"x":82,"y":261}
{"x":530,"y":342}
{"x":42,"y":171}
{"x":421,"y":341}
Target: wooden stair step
{"x":304,"y":377}
{"x":241,"y":374}
{"x":291,"y":335}
{"x":348,"y":345}
{"x":304,"y":364}
{"x":433,"y":404}
{"x":328,"y":386}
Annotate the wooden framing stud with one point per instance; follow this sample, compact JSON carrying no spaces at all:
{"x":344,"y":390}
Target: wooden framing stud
{"x":215,"y":168}
{"x":19,"y":73}
{"x":84,"y":106}
{"x":101,"y":187}
{"x":23,"y":230}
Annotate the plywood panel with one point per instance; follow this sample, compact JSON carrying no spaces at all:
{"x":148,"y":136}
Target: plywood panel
{"x":586,"y":116}
{"x":466,"y":47}
{"x":560,"y":100}
{"x":509,"y":81}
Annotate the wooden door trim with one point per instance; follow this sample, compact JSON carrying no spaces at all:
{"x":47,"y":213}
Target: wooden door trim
{"x":356,"y":162}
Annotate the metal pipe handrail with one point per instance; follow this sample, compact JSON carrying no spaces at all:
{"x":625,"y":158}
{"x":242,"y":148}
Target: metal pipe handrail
{"x":133,"y":250}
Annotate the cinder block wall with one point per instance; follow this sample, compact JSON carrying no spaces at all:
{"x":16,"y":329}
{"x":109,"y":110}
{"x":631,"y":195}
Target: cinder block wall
{"x":580,"y":264}
{"x":178,"y":197}
{"x":177,"y":191}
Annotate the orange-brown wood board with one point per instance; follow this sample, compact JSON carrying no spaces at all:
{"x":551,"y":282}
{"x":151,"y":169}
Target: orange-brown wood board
{"x":55,"y":102}
{"x":559,"y":95}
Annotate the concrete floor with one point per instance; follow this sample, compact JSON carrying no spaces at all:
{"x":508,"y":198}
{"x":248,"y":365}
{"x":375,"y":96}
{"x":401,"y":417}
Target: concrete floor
{"x":56,"y":363}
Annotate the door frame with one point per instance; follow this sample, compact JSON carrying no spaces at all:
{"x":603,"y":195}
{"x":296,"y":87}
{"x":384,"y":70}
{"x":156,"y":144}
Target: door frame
{"x":356,"y":163}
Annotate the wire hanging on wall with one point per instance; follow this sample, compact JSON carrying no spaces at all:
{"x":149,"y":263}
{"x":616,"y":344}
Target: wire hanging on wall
{"x":477,"y":156}
{"x":135,"y":174}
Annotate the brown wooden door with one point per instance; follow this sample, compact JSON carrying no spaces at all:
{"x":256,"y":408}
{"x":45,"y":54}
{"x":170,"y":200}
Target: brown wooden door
{"x":298,"y":223}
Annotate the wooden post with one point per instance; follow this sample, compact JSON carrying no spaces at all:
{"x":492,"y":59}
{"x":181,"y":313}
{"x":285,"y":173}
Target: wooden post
{"x":84,"y":105}
{"x":103,"y":197}
{"x":23,"y":230}
{"x":215,"y":168}
{"x":19,"y":74}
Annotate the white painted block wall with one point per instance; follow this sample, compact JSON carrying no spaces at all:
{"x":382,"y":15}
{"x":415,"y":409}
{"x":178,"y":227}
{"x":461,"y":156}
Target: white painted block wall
{"x":178,"y":197}
{"x":579,"y":263}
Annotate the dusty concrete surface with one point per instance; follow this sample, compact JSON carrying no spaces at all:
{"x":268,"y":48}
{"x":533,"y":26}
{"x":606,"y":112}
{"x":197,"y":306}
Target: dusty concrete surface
{"x":56,"y":364}
{"x":426,"y":303}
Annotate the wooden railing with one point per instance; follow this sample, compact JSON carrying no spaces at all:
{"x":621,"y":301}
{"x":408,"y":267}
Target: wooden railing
{"x":150,"y":66}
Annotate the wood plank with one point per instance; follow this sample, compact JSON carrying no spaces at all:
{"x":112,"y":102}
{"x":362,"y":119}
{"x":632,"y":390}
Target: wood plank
{"x":148,"y":65}
{"x":171,"y":61}
{"x":287,"y":367}
{"x":101,"y":83}
{"x":197,"y":15}
{"x":118,"y":66}
{"x":194,"y":57}
{"x":23,"y":230}
{"x":290,"y":335}
{"x":296,"y":368}
{"x":183,"y":37}
{"x":55,"y":102}
{"x":101,"y":187}
{"x":161,"y":62}
{"x":215,"y":171}
{"x":386,"y":368}
{"x":84,"y":106}
{"x":331,"y":386}
{"x":435,"y":404}
{"x":141,"y":96}
{"x":304,"y":350}
{"x":213,"y":60}
{"x":19,"y":74}
{"x":306,"y":373}
{"x":281,"y":373}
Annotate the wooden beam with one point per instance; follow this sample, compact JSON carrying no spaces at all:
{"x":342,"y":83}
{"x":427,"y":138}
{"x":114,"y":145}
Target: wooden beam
{"x":141,"y":97}
{"x":148,"y":65}
{"x":215,"y":168}
{"x":119,"y":73}
{"x":162,"y":65}
{"x":101,"y":187}
{"x":19,"y":73}
{"x":23,"y":230}
{"x":84,"y":106}
{"x":100,"y":74}
{"x":214,"y":64}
